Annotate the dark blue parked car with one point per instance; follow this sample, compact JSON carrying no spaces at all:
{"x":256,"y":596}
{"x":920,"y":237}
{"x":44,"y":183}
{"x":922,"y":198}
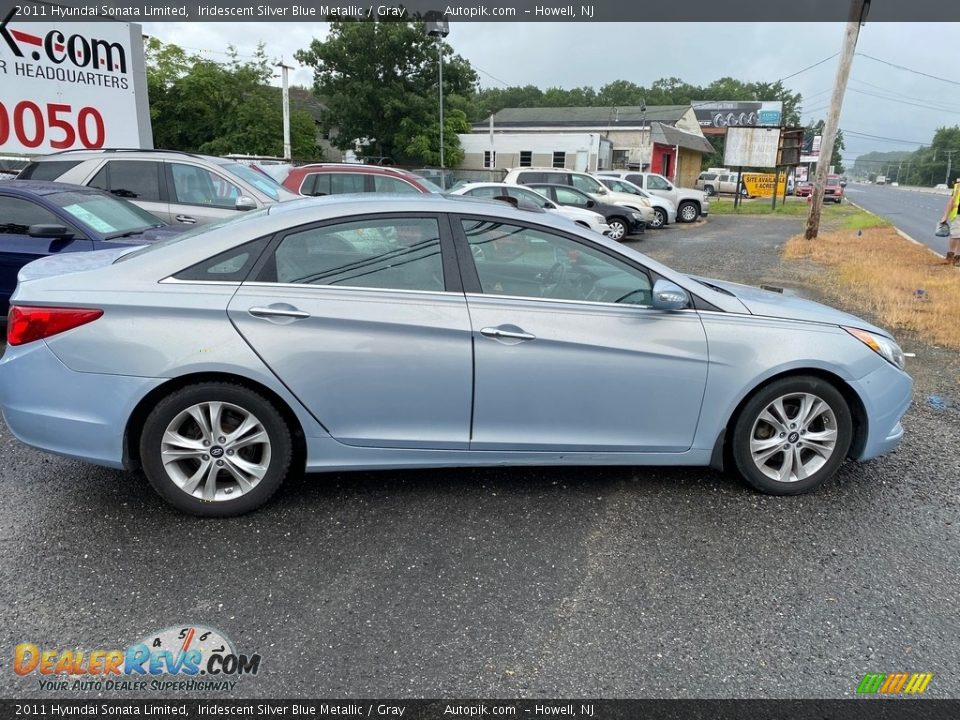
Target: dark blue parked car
{"x":41,"y":218}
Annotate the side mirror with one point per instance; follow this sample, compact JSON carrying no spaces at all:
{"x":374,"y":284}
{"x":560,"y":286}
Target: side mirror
{"x":669,"y":296}
{"x":549,"y":206}
{"x":244,"y":203}
{"x":49,"y":231}
{"x":590,"y":203}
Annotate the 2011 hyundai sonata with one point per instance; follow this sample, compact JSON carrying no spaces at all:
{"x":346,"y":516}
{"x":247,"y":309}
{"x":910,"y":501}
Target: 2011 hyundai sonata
{"x":429,"y":331}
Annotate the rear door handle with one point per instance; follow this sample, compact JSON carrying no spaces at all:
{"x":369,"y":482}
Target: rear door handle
{"x":186,"y":219}
{"x":498,"y":333}
{"x":269,"y":312}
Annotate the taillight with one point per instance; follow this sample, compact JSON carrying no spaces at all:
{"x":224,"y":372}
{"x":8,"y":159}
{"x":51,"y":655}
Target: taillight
{"x":26,"y":324}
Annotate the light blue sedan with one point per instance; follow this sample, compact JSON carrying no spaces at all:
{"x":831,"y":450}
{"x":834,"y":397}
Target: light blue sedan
{"x":357,"y":332}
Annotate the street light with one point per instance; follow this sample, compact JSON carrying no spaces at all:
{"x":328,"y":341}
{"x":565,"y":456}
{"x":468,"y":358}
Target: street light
{"x":438,"y":26}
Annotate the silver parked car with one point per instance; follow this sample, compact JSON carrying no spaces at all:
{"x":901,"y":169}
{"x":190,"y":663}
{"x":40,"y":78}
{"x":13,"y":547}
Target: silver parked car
{"x":383,"y":331}
{"x":177,"y":187}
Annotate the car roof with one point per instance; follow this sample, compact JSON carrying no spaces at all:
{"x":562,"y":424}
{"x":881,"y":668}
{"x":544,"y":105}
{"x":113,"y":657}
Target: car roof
{"x":102,"y":152}
{"x":358,"y":168}
{"x":45,"y":187}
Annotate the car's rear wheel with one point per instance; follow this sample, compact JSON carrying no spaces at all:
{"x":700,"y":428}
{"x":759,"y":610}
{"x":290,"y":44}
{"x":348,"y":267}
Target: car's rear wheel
{"x":688,"y":212}
{"x":659,"y":218}
{"x":792,"y":435}
{"x":215,"y":449}
{"x":618,"y":228}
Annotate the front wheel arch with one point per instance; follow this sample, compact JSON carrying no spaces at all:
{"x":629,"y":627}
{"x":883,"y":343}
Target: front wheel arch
{"x":134,"y":428}
{"x":721,"y":457}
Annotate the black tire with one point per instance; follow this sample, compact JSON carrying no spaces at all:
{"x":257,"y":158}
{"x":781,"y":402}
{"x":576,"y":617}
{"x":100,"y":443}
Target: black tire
{"x":618,"y":228}
{"x":750,"y":425}
{"x":710,"y":190}
{"x":273,"y":452}
{"x":688,"y":211}
{"x":659,"y":218}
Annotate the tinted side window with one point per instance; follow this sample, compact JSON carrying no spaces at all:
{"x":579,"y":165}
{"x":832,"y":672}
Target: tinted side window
{"x":636,"y":180}
{"x":396,"y":254}
{"x":523,"y":262}
{"x":193,"y":185}
{"x":392,"y":185}
{"x":232,"y":265}
{"x":585,"y":183}
{"x":131,"y":179}
{"x":655,"y":182}
{"x":525,"y":178}
{"x":566,"y":196}
{"x":47,"y":170}
{"x":17,"y":215}
{"x":487,"y":192}
{"x":347,"y":183}
{"x":308,"y":184}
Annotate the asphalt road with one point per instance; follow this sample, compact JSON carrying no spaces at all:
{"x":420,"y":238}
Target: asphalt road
{"x":623,"y":582}
{"x":915,"y":212}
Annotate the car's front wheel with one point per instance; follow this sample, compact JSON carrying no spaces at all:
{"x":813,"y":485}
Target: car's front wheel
{"x":215,"y":449}
{"x":792,"y":435}
{"x":659,"y":218}
{"x":688,"y":212}
{"x":709,"y":189}
{"x":618,"y":228}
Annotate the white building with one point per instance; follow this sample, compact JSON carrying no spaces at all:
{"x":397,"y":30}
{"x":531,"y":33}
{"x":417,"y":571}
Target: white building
{"x":586,"y":152}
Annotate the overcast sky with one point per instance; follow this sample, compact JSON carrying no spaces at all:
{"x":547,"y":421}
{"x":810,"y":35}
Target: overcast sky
{"x":881,"y":100}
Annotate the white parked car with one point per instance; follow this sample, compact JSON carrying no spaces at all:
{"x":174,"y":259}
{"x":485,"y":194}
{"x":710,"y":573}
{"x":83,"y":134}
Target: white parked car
{"x":665,"y":211}
{"x":584,"y":182}
{"x":526,"y":196}
{"x":690,"y":203}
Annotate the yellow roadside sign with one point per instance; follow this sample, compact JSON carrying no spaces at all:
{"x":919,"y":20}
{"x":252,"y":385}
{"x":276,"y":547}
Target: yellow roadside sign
{"x":761,"y":184}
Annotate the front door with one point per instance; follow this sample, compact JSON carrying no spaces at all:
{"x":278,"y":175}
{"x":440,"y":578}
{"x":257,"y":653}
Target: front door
{"x":569,"y":353}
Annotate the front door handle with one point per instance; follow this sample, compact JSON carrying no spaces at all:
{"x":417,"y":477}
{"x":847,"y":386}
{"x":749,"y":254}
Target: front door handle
{"x":269,"y":312}
{"x":186,"y":219}
{"x":499,"y":333}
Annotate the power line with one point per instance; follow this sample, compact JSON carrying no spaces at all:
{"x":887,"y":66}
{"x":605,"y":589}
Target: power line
{"x":915,"y":72}
{"x":880,"y":137}
{"x":809,"y":67}
{"x":505,"y":84}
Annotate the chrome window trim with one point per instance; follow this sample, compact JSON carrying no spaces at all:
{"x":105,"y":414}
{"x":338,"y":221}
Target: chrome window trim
{"x":347,"y":287}
{"x":589,"y":303}
{"x":171,"y":280}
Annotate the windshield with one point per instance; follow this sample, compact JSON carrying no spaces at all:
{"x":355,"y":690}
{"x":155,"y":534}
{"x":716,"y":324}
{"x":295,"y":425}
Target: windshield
{"x":193,"y":232}
{"x":110,"y":216}
{"x":261,"y":181}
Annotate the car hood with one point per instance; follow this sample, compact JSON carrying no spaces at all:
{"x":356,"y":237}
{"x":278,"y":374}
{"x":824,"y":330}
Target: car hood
{"x":65,"y":263}
{"x":618,"y":198}
{"x":779,"y":305}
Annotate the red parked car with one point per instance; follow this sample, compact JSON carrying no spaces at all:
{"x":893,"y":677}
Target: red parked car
{"x":340,"y":178}
{"x":804,"y":189}
{"x":833,"y":192}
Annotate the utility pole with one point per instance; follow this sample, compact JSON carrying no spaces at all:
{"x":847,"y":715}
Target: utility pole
{"x":858,"y":13}
{"x":287,"y":150}
{"x":946,"y":178}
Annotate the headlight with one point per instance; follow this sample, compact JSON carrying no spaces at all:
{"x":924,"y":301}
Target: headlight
{"x":637,"y":216}
{"x":883,"y":346}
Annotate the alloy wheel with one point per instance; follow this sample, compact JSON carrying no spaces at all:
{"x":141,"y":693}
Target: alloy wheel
{"x":793,"y":437}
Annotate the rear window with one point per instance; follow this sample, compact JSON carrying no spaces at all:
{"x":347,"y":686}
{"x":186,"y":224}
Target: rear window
{"x":51,"y":170}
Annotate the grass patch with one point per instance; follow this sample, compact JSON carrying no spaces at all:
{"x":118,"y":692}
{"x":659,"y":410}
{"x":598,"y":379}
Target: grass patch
{"x":880,"y":272}
{"x":794,"y":207}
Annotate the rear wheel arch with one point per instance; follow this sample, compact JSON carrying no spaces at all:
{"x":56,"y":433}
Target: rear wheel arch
{"x":721,"y":457}
{"x":135,"y":424}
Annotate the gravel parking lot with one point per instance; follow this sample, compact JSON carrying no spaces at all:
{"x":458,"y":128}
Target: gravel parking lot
{"x":573,"y":582}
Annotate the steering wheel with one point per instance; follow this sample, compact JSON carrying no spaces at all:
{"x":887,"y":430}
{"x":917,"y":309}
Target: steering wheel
{"x":555,"y":275}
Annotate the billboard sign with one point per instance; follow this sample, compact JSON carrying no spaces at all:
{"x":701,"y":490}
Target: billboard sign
{"x":71,"y":86}
{"x":762,"y":184}
{"x":811,"y":149}
{"x":751,"y":147}
{"x":736,"y":113}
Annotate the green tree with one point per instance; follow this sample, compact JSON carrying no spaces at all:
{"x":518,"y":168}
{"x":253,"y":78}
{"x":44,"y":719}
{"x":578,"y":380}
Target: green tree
{"x":379,"y":82}
{"x":198,"y":105}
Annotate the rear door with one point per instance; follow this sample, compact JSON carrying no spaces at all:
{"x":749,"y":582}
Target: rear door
{"x":366,"y":322}
{"x":139,"y":181}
